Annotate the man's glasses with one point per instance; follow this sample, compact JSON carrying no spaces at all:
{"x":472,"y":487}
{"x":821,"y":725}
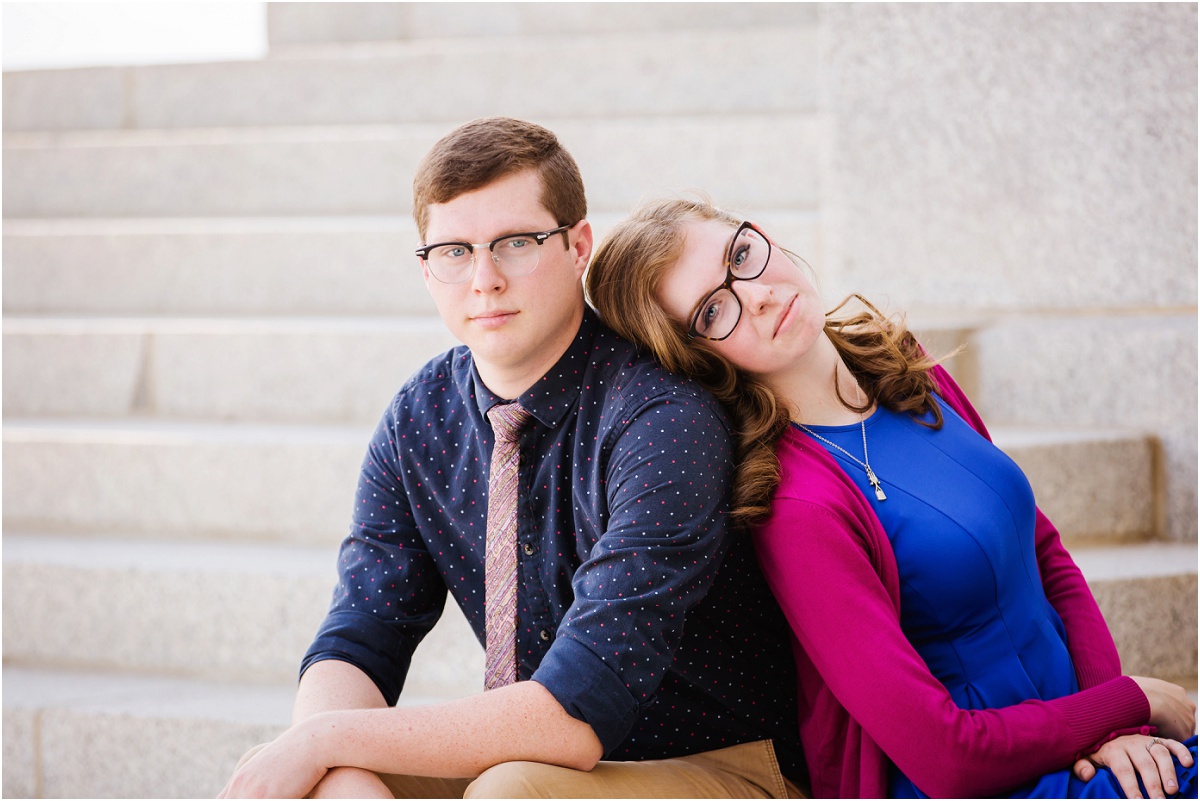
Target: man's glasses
{"x":718,"y":314}
{"x":514,"y":254}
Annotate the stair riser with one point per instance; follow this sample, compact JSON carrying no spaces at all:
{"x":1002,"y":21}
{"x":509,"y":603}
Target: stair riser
{"x":653,"y":75}
{"x":764,"y":162}
{"x":1154,"y":623}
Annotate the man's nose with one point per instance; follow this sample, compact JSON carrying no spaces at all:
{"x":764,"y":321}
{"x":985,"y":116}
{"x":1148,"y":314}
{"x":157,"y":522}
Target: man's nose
{"x":488,"y":277}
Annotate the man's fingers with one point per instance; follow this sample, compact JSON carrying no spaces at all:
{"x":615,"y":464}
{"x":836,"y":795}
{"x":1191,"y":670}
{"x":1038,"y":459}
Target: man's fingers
{"x":1084,"y":770}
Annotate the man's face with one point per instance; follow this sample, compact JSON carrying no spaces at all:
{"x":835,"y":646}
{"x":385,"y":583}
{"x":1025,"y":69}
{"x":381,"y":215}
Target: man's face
{"x":516,"y":327}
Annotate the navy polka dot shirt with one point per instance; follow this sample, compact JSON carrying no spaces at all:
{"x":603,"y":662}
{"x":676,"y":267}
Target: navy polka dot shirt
{"x":637,"y":609}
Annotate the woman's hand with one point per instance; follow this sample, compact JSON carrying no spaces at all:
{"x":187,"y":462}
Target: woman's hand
{"x":1170,"y":708}
{"x":1135,"y":755}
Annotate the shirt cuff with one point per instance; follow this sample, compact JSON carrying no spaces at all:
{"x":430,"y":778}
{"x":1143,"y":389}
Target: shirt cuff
{"x":366,"y":643}
{"x":588,"y":690}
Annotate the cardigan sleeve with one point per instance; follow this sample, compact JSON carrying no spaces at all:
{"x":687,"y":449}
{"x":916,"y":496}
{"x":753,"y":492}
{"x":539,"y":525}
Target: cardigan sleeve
{"x":848,"y":626}
{"x":1089,"y":641}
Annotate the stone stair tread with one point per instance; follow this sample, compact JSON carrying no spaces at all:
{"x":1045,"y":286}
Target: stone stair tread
{"x":1141,"y":560}
{"x":151,"y":428}
{"x":250,"y":558}
{"x":142,"y":694}
{"x":422,"y":133}
{"x":180,"y":431}
{"x":65,"y":324}
{"x":298,"y":224}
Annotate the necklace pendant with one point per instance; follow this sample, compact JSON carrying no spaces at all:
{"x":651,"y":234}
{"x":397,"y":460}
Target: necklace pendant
{"x":874,"y":479}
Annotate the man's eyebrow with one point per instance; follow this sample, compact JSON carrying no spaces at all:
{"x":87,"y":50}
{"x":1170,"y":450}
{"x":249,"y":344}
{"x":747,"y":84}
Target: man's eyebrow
{"x":507,"y":232}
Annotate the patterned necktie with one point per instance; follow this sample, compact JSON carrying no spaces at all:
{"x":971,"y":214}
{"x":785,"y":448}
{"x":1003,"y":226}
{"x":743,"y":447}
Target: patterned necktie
{"x":501,"y":563}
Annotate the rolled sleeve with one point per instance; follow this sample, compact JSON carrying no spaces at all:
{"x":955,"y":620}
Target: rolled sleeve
{"x":588,"y":690}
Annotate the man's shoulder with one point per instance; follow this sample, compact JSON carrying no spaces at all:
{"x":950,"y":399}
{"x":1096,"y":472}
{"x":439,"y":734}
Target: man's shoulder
{"x":633,"y":376}
{"x":436,"y":379}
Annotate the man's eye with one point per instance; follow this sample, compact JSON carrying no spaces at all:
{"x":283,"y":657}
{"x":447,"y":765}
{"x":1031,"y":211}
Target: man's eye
{"x":517,"y":243}
{"x":452,"y":252}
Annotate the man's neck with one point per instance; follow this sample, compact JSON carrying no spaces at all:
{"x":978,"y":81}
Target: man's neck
{"x":509,"y":382}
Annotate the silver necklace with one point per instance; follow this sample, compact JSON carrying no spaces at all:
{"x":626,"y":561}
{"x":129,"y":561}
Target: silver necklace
{"x":865,"y":462}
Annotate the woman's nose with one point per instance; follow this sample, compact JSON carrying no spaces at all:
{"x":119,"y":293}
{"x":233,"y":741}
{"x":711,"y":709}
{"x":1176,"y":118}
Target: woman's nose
{"x":755,"y":295}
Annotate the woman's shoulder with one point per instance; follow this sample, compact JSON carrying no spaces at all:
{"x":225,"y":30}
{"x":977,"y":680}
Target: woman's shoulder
{"x":815,"y":489}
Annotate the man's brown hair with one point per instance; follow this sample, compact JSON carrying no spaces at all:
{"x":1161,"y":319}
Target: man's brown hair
{"x":482,"y":151}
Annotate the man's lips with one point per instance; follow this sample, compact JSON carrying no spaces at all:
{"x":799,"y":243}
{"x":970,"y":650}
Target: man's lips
{"x":494,"y":317}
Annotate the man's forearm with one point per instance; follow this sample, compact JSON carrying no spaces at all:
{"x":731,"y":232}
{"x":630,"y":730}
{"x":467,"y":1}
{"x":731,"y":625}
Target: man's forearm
{"x":459,"y":739}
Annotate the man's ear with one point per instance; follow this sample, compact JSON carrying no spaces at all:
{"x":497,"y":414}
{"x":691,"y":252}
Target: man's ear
{"x":581,"y":238}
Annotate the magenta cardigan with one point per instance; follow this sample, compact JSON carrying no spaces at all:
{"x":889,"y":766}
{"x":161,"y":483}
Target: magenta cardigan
{"x":867,"y":697}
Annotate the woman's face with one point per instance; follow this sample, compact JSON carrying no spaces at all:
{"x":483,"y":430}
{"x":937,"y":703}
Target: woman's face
{"x":781,"y":314}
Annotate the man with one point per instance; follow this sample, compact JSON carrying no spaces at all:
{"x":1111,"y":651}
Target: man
{"x":622,"y":621}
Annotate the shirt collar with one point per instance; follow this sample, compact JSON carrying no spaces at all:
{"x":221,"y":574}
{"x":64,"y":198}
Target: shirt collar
{"x":552,"y":395}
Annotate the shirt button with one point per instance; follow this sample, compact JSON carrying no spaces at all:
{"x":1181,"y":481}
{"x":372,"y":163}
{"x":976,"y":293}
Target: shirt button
{"x":528,"y":549}
{"x":545,"y":634}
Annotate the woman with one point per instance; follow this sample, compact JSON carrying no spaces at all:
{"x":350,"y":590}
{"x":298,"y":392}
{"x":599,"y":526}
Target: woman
{"x":945,"y":641}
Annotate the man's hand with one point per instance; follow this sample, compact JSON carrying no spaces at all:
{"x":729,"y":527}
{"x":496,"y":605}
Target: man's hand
{"x":1171,"y":711}
{"x":288,"y":767}
{"x":1137,"y":755}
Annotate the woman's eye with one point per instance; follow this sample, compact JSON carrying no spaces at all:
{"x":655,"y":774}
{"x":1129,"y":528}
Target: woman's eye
{"x":710,"y":314}
{"x":740,"y":255}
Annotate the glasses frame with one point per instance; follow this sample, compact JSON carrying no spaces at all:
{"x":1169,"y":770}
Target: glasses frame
{"x":538,"y":236}
{"x":728,"y":283}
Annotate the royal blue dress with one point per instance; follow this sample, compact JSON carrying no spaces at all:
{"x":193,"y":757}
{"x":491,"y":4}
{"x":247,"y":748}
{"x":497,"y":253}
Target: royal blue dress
{"x":960,"y":516}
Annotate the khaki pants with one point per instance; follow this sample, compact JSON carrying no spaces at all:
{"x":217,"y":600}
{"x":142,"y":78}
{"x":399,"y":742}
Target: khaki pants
{"x":749,"y":770}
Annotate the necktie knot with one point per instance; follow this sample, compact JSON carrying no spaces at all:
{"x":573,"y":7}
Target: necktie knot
{"x":507,"y":420}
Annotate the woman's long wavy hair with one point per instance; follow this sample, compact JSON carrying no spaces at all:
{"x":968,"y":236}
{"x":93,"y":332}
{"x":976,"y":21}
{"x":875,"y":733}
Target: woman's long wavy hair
{"x":623,"y":284}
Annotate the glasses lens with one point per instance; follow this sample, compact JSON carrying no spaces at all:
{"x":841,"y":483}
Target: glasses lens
{"x":517,"y":255}
{"x":748,"y":254}
{"x":451,"y":263}
{"x":718,"y":315}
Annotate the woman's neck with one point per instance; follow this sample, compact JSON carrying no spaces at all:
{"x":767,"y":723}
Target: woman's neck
{"x":808,"y":387}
